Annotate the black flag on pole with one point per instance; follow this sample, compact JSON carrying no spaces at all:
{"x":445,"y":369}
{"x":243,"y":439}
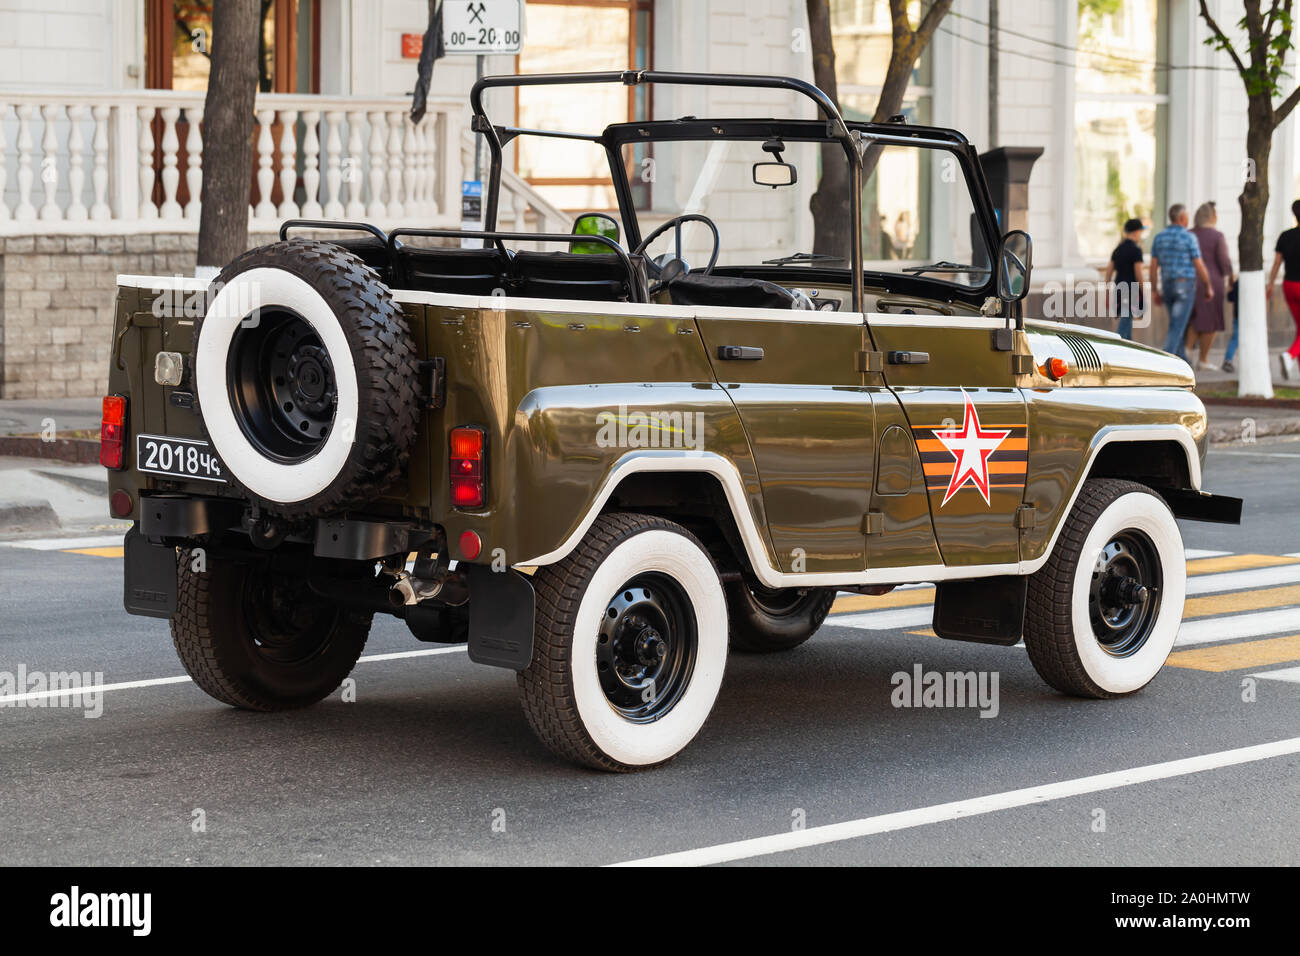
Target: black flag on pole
{"x":432,"y":49}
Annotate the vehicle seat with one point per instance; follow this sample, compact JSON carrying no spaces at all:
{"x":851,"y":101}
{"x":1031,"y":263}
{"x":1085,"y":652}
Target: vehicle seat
{"x":457,"y":271}
{"x":695,"y":288}
{"x":567,"y":275}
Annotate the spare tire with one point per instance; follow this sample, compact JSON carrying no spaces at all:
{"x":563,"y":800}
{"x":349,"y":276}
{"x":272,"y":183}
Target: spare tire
{"x":305,"y":376}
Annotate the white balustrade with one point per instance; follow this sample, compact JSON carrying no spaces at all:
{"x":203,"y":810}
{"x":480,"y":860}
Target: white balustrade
{"x":194,"y":163}
{"x":288,"y":164}
{"x":135,"y":158}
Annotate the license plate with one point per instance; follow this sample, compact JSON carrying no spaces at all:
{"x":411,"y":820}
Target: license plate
{"x":177,"y":458}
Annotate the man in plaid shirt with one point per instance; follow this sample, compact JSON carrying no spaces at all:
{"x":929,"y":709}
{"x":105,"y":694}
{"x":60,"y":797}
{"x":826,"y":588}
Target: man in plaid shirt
{"x":1176,"y":258}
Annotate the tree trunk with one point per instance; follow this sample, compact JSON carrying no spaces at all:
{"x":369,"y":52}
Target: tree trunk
{"x":832,"y":215}
{"x":228,"y":132}
{"x":1254,"y":372}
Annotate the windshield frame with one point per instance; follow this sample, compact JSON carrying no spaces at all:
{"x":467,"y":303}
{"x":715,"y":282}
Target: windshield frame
{"x":854,"y":138}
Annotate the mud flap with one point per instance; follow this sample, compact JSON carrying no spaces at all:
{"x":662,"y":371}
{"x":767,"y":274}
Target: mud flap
{"x":149,"y":570}
{"x":983,"y":610}
{"x":501,"y":609}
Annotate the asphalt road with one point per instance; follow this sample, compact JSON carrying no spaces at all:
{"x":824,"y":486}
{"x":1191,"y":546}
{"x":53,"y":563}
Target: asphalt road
{"x":434,"y":763}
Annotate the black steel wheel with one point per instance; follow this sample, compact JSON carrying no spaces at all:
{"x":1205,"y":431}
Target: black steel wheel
{"x":646,"y":649}
{"x":1124,"y":598}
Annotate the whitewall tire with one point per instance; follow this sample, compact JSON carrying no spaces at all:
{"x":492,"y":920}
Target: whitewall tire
{"x":629,"y":647}
{"x":1104,"y":611}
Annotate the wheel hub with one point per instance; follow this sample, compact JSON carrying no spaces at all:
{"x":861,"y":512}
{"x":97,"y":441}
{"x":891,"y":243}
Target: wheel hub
{"x":1124,"y":597}
{"x":646,"y":648}
{"x":311,"y":378}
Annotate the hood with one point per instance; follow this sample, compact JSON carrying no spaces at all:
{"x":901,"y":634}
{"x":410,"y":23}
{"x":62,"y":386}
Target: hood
{"x":1101,"y":357}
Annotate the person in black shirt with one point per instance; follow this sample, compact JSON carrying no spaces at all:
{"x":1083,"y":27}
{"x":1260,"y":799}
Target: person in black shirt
{"x":1288,"y":254}
{"x":1127,"y":271}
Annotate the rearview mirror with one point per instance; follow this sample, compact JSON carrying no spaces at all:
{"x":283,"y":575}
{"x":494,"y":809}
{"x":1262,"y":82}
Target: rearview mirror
{"x":1015,"y":257}
{"x":775,"y":174}
{"x":594,"y":224}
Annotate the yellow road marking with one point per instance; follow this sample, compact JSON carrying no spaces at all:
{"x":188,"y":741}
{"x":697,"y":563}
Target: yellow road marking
{"x":1236,"y":562}
{"x":865,"y":602}
{"x":1242,"y":601}
{"x":113,"y":551}
{"x":1231,"y":657}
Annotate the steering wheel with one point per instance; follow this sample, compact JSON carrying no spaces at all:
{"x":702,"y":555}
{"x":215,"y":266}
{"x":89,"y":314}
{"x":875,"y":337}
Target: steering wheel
{"x":655,"y":269}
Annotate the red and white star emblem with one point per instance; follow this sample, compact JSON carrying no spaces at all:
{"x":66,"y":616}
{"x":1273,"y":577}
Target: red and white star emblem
{"x":971,"y":446}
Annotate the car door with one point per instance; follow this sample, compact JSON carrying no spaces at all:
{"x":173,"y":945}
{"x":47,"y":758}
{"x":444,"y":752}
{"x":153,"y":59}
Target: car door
{"x":810,"y":423}
{"x":968,"y":421}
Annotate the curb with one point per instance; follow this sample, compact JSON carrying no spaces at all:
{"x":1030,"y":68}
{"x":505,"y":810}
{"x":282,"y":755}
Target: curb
{"x":1230,"y":434}
{"x":28,"y":514}
{"x":78,"y":451}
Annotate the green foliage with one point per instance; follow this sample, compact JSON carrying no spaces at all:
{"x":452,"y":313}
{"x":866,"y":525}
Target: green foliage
{"x":1264,"y":66}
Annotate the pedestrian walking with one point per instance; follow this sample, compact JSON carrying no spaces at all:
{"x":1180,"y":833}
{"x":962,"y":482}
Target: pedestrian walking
{"x":1236,"y":329}
{"x":1288,"y":254}
{"x":1128,"y":271}
{"x":1208,"y":313}
{"x":1175,"y":266}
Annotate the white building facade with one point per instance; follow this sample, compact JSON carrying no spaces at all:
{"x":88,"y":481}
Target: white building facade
{"x":101,"y":143}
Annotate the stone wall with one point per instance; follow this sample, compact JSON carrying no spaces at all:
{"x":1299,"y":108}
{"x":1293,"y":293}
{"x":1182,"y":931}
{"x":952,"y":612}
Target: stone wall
{"x":56,"y":305}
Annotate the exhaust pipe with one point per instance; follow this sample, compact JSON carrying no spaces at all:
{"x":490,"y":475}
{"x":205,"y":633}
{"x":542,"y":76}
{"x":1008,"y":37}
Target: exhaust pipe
{"x":450,"y":589}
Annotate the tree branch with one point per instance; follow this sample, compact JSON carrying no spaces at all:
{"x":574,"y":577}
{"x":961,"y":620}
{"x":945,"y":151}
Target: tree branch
{"x":1284,"y":110}
{"x":1222,"y":38}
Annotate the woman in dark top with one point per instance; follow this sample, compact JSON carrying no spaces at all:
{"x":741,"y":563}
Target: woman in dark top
{"x":1207,"y":317}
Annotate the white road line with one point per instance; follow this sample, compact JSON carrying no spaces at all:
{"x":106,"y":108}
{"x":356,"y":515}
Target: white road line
{"x":1240,"y":580}
{"x":960,"y":809}
{"x":1257,"y":454}
{"x":1291,"y":674}
{"x":59,"y":544}
{"x":158,"y":681}
{"x":1191,"y":554}
{"x":1234,"y":627}
{"x":890,"y":619}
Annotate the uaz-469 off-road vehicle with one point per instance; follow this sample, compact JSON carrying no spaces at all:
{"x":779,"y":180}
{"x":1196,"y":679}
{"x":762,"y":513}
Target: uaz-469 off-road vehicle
{"x":611,"y":466}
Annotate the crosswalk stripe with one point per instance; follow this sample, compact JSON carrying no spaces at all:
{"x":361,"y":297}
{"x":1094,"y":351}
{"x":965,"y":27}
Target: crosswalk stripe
{"x":63,"y":544}
{"x":1291,"y":674}
{"x":1236,"y":562}
{"x":1237,"y":626}
{"x":907,"y":596}
{"x":1193,"y":553}
{"x":109,"y":552}
{"x":1240,"y":580}
{"x":1239,"y":656}
{"x":1239,"y":601}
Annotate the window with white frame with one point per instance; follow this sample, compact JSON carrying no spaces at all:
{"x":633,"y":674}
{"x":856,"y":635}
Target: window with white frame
{"x":1120,"y":119}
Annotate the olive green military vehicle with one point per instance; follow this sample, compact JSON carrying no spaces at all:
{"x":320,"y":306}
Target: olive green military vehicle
{"x":605,"y":457}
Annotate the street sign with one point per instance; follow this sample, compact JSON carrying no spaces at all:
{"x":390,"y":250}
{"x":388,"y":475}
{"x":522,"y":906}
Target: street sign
{"x":481,"y":27}
{"x":471,"y":211}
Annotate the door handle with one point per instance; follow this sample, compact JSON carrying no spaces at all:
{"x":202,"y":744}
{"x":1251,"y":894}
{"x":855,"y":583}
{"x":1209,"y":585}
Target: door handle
{"x":739,"y":353}
{"x":909,"y":358}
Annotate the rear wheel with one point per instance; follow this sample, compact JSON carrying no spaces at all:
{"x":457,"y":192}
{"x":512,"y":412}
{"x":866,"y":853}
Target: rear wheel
{"x":767,"y":620}
{"x":259,"y":638}
{"x":629,"y":647}
{"x":1104,"y":611}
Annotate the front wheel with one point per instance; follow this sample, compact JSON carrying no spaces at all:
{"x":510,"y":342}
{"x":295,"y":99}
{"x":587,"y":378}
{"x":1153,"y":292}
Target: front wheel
{"x":259,"y":638}
{"x":1104,"y":611}
{"x":629,"y":646}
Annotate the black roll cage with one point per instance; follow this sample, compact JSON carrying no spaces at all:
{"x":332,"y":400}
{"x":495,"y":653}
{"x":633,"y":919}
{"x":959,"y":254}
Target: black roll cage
{"x":853,"y":137}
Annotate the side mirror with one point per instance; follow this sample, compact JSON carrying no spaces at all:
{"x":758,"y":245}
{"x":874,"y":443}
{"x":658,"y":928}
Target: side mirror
{"x":1015,"y":261}
{"x":594,"y":224}
{"x":775,"y":174}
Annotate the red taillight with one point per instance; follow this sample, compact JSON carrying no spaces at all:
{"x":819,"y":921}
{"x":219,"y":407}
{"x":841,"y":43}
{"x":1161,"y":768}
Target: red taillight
{"x":468,"y":484}
{"x":112,"y":433}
